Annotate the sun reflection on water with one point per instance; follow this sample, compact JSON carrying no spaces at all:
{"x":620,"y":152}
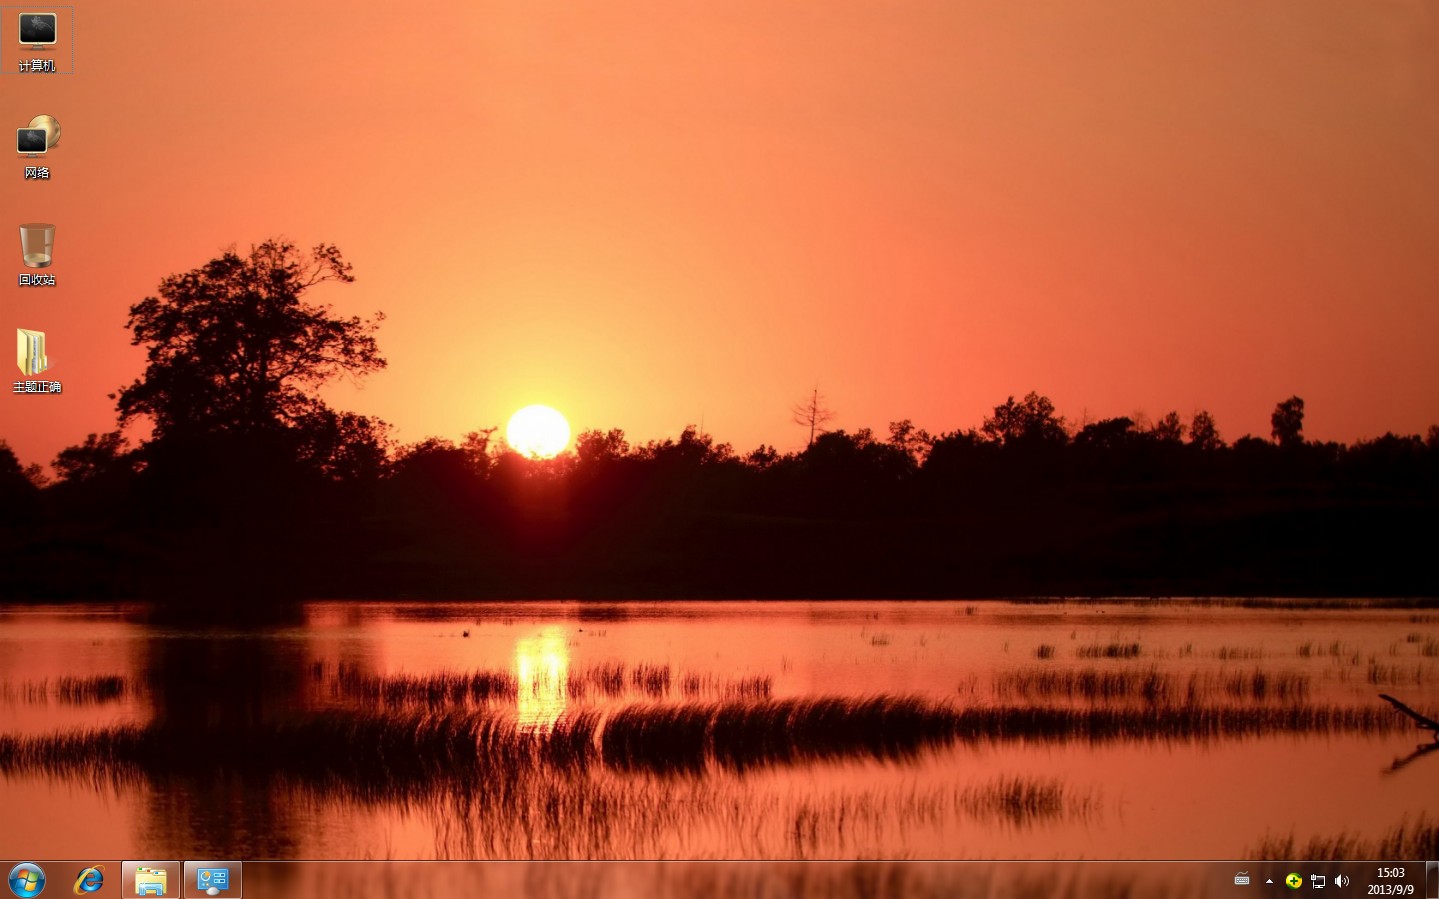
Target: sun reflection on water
{"x":542,"y":665}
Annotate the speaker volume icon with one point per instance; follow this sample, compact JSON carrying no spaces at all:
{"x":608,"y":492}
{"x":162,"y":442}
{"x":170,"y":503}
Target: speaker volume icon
{"x":1342,"y":880}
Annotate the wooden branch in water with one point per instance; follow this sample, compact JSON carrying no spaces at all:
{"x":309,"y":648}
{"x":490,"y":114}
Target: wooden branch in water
{"x":1424,"y":723}
{"x":1421,"y":750}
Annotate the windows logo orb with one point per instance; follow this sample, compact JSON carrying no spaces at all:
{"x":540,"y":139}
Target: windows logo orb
{"x":26,"y":879}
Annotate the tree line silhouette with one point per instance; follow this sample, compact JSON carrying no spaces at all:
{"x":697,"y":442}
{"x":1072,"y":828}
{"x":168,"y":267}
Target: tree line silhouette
{"x":250,"y":488}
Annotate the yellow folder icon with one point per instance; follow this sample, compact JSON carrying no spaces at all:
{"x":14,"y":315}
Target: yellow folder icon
{"x":151,"y":881}
{"x":30,"y":351}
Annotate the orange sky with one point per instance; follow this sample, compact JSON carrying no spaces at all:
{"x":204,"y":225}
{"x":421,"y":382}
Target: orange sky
{"x":648,"y":214}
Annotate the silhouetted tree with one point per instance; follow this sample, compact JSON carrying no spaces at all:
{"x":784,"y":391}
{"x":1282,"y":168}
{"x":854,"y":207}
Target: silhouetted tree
{"x":951,"y":451}
{"x":100,"y":454}
{"x":693,"y":448}
{"x":1106,"y":434}
{"x":15,"y":479}
{"x":854,"y":463}
{"x":594,"y":446}
{"x":812,"y":414}
{"x":1030,"y":421}
{"x":233,"y":350}
{"x":762,"y":457}
{"x":1203,"y":433}
{"x":477,"y":447}
{"x":1287,"y":422}
{"x":1169,"y":428}
{"x":913,"y":442}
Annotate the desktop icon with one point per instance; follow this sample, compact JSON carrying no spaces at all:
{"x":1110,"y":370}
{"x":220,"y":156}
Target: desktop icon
{"x":1317,"y":881}
{"x":30,"y":352}
{"x":1293,"y":881}
{"x":90,"y":880}
{"x":26,"y":879}
{"x":37,"y":244}
{"x":36,"y":138}
{"x":38,"y":29}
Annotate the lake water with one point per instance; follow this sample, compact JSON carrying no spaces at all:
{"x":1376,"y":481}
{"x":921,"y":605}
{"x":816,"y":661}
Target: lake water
{"x":994,"y":730}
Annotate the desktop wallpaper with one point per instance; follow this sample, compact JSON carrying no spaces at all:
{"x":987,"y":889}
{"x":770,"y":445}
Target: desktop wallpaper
{"x":739,"y":431}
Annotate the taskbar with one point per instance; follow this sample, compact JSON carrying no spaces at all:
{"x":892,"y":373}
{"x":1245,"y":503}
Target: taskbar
{"x":561,"y":879}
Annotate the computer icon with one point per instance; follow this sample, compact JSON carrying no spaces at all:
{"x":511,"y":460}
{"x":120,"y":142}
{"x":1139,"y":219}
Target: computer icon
{"x":38,"y":29}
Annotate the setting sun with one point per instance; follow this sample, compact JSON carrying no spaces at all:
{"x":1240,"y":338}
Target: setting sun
{"x":538,"y":431}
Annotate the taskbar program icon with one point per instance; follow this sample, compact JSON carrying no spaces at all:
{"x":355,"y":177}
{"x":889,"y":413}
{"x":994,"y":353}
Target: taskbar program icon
{"x":150,"y":880}
{"x":220,"y":879}
{"x":89,"y":880}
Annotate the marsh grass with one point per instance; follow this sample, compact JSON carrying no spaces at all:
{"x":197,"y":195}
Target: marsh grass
{"x":468,"y":689}
{"x":1255,"y":602}
{"x":1025,"y":801}
{"x":653,"y":680}
{"x":68,"y":690}
{"x":1260,"y":685}
{"x":1243,"y":653}
{"x":1109,"y":651}
{"x":1383,"y":675}
{"x":434,"y":690}
{"x":1406,"y":840}
{"x":1151,"y":686}
{"x":1044,"y":651}
{"x":378,"y":753}
{"x":1089,"y":684}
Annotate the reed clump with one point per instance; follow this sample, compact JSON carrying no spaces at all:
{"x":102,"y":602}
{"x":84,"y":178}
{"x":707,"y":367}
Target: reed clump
{"x":69,"y":690}
{"x":434,"y":690}
{"x":1408,"y":839}
{"x":1109,"y":651}
{"x":1024,"y":801}
{"x":1243,"y":653}
{"x":461,"y":689}
{"x":651,"y":679}
{"x":419,"y":749}
{"x":1088,"y":684}
{"x":1263,"y":685}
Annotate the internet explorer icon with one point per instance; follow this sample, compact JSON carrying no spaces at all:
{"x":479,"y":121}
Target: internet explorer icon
{"x":90,"y":880}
